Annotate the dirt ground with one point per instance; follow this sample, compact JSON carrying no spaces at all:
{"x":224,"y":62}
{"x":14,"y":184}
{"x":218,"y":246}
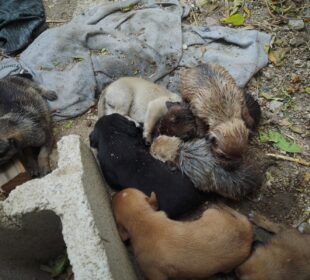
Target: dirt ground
{"x":285,"y":195}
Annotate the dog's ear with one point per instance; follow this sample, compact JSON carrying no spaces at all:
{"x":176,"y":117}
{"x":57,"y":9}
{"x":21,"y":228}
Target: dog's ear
{"x":123,"y":233}
{"x":93,"y":139}
{"x":153,"y":201}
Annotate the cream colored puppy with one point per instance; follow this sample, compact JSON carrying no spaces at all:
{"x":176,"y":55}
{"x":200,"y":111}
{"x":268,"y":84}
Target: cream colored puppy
{"x":139,"y":99}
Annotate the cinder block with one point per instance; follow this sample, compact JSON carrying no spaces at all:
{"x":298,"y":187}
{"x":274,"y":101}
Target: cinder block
{"x":68,"y":207}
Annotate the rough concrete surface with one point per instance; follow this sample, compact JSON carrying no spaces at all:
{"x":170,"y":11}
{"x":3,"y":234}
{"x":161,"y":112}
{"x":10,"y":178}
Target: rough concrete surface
{"x":77,"y":194}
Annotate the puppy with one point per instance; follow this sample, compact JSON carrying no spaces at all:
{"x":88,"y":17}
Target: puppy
{"x":195,"y":159}
{"x":125,"y":161}
{"x":139,"y":99}
{"x":25,"y":123}
{"x":217,"y":242}
{"x":215,"y":98}
{"x":285,"y":257}
{"x":180,"y":121}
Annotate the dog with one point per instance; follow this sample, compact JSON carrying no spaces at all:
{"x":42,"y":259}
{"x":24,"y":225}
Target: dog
{"x":139,"y":99}
{"x":195,"y":159}
{"x":215,"y":98}
{"x":286,"y":256}
{"x":25,"y":123}
{"x":125,"y":161}
{"x":217,"y":242}
{"x":180,"y":121}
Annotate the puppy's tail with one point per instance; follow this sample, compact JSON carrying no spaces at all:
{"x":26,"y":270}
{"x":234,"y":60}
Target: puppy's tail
{"x":237,"y":183}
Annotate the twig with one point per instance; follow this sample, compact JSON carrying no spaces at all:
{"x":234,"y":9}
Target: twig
{"x":269,"y":11}
{"x":297,"y":160}
{"x":56,"y":20}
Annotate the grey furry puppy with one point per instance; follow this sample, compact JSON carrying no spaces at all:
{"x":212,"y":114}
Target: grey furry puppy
{"x":25,"y":123}
{"x":195,"y":159}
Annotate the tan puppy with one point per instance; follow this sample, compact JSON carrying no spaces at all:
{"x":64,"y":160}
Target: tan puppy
{"x":217,"y":242}
{"x":215,"y":98}
{"x":285,"y":257}
{"x":139,"y":99}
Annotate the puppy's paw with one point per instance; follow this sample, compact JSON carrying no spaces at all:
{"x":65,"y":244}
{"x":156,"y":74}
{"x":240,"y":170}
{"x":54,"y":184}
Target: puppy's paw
{"x":50,"y":95}
{"x":147,"y":138}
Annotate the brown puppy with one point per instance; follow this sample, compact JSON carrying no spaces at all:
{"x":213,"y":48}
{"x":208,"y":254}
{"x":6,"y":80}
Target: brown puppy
{"x":217,"y":242}
{"x":285,"y":257}
{"x":215,"y":98}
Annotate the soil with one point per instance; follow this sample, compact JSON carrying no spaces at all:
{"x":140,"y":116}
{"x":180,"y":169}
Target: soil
{"x":285,"y":195}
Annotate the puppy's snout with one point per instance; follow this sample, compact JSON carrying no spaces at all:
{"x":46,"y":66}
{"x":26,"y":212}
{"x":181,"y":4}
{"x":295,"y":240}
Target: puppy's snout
{"x":93,"y":139}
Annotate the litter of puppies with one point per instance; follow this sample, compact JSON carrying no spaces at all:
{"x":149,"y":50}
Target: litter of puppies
{"x":164,"y":154}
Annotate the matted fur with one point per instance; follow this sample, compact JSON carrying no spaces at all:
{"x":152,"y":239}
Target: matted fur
{"x":215,"y":98}
{"x":195,"y":159}
{"x":285,"y":257}
{"x":25,"y":122}
{"x":216,"y":242}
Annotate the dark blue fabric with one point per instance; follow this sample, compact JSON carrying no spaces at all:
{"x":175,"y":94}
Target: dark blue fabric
{"x":20,"y":22}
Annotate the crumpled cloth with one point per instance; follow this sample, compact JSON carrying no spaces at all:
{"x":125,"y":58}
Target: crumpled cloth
{"x":20,"y":21}
{"x":132,"y":38}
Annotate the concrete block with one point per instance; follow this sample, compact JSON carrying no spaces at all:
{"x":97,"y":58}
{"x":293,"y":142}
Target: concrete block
{"x":68,"y":207}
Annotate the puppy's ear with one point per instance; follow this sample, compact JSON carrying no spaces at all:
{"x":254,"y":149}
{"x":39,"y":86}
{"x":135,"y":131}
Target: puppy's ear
{"x":123,"y":233}
{"x":153,"y":201}
{"x":93,"y":139}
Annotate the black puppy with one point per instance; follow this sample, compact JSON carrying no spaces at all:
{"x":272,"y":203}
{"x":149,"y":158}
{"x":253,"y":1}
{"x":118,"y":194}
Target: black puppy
{"x":126,"y":162}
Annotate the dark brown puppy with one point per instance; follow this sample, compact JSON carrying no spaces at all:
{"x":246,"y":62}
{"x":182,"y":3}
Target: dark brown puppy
{"x":25,"y":123}
{"x":215,"y":98}
{"x":285,"y":257}
{"x":216,"y":242}
{"x":179,"y":121}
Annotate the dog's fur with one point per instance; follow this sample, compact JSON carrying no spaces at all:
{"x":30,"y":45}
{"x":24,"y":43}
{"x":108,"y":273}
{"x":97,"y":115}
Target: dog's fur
{"x":25,"y":123}
{"x":215,"y":98}
{"x":139,"y":99}
{"x":195,"y":159}
{"x":217,"y":242}
{"x":286,"y":256}
{"x":125,"y":161}
{"x":179,"y":121}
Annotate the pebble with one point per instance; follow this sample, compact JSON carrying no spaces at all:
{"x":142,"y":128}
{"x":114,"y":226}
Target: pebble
{"x":267,"y":75}
{"x":275,"y":105}
{"x":296,"y":24}
{"x":296,"y":42}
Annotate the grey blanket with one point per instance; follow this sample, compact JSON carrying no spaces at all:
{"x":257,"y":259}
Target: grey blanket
{"x":130,"y":38}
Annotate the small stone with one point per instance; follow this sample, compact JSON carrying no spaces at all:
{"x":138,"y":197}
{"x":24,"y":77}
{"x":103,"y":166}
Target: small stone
{"x":296,"y":42}
{"x":267,"y":75}
{"x":296,"y":24}
{"x":184,"y":47}
{"x":275,"y":105}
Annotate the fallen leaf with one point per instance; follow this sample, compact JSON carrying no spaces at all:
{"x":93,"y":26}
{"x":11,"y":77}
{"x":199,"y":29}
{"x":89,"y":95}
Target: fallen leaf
{"x":235,"y":20}
{"x":270,"y":97}
{"x":60,"y":265}
{"x":266,"y":48}
{"x":236,"y":6}
{"x":104,"y":51}
{"x":277,"y":56}
{"x":308,"y":90}
{"x":296,"y":129}
{"x":279,"y":141}
{"x":247,"y":11}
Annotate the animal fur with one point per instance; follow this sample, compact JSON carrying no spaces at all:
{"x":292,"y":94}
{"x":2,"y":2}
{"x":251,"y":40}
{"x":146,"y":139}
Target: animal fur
{"x":25,"y":123}
{"x":125,"y":161}
{"x":215,"y":98}
{"x":217,"y":242}
{"x":285,"y":257}
{"x":195,"y":159}
{"x":179,"y":121}
{"x":139,"y":99}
